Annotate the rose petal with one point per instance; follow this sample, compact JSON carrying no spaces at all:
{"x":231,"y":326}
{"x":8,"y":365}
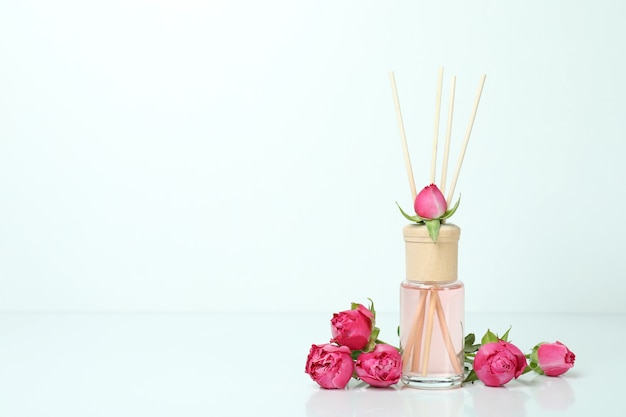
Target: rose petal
{"x":430,"y":203}
{"x":380,"y":368}
{"x":555,"y":358}
{"x":329,"y":365}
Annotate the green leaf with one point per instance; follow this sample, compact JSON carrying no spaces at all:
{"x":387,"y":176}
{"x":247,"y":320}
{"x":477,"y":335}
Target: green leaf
{"x":470,"y":347}
{"x":416,"y":218}
{"x":471,"y":377}
{"x":489,"y":337}
{"x":433,"y":228}
{"x":451,"y":211}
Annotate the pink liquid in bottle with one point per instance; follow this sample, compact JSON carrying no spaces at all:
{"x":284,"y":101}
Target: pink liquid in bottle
{"x":432,"y":334}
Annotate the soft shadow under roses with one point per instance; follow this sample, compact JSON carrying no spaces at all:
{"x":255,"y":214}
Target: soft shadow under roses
{"x":359,"y":400}
{"x":514,"y":400}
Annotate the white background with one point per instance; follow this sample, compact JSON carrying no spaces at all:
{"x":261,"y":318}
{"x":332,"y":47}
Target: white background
{"x":181,"y":155}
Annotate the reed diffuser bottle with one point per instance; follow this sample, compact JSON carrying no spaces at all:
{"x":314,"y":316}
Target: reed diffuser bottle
{"x":432,"y":309}
{"x":432,"y":299}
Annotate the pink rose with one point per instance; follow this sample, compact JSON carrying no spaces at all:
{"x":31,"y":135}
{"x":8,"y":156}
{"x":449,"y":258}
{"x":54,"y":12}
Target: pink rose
{"x":555,"y":358}
{"x":430,"y":203}
{"x":381,"y":367}
{"x":329,"y":365}
{"x":352,"y":328}
{"x":496,"y":363}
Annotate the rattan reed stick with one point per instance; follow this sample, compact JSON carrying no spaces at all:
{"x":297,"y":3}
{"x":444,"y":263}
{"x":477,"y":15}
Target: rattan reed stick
{"x":405,"y":147}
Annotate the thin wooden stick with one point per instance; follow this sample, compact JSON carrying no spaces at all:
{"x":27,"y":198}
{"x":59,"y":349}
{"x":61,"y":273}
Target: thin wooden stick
{"x":429,"y":333}
{"x":405,"y":148}
{"x":418,"y":328}
{"x":414,"y":340}
{"x":410,"y":340}
{"x":417,"y":350}
{"x":433,"y":159}
{"x":445,"y":333}
{"x":446,"y":151}
{"x":466,"y":140}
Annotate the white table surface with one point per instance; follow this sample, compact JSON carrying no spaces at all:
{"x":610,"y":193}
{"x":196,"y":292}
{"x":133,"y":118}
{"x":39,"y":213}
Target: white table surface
{"x":239,"y":364}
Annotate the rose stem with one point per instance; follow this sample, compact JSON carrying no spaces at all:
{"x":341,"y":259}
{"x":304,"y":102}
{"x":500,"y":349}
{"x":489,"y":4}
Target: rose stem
{"x":433,"y":159}
{"x":446,"y":151}
{"x":466,"y":140}
{"x":405,"y":148}
{"x":429,"y":333}
{"x":445,"y":333}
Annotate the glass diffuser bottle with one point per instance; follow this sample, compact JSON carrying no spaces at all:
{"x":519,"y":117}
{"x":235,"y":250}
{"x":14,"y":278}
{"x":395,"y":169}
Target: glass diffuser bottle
{"x":432,"y":309}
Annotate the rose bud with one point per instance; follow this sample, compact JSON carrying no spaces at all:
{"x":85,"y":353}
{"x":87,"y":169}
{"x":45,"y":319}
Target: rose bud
{"x":329,"y":365}
{"x":496,"y":363}
{"x":555,"y":358}
{"x":381,"y":367}
{"x":352,"y":328}
{"x":430,"y":203}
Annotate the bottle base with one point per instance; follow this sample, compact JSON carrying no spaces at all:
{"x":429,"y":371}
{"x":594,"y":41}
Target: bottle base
{"x":432,"y":382}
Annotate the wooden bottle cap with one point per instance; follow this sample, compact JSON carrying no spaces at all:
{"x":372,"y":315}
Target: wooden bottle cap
{"x":428,"y":261}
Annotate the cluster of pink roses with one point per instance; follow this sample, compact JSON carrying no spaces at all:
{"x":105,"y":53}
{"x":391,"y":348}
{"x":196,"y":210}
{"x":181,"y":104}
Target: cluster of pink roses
{"x":354,"y":352}
{"x":496,"y":361}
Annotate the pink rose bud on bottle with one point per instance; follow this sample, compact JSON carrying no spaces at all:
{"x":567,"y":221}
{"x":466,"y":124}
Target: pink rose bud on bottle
{"x":380,"y":368}
{"x":430,"y":203}
{"x":330,"y":366}
{"x":496,"y":363}
{"x":555,"y":358}
{"x":352,"y":328}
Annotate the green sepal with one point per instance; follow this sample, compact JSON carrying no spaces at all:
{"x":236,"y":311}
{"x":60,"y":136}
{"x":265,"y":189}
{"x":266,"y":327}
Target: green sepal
{"x":433,"y":228}
{"x":355,"y":354}
{"x":489,"y":337}
{"x":505,"y":336}
{"x":371,"y":344}
{"x":416,"y":218}
{"x":534,"y":355}
{"x":371,"y":308}
{"x":533,"y":362}
{"x":451,"y":211}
